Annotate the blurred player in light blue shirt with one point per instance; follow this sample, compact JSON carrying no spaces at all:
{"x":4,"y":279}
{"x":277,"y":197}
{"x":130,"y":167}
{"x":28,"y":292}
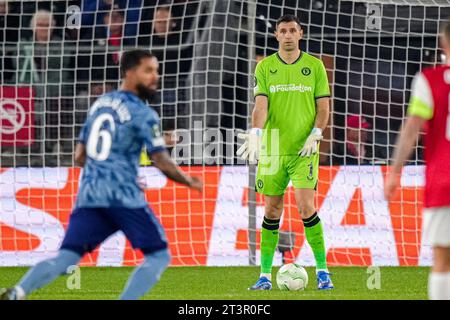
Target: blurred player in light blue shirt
{"x":118,"y":126}
{"x":110,"y":172}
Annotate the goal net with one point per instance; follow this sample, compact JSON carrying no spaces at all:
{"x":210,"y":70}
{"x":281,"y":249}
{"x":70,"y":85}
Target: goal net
{"x":57,"y":57}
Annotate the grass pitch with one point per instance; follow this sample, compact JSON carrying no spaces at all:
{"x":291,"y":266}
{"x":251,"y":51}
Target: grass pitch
{"x":231,"y":283}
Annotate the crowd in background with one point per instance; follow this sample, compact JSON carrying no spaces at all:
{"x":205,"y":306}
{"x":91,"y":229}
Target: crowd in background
{"x":70,"y":67}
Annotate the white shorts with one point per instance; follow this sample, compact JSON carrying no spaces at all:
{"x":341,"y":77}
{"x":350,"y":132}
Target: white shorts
{"x":436,"y":223}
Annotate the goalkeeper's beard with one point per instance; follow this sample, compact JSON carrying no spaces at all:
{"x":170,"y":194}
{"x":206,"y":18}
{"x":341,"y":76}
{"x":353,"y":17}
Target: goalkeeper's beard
{"x":145,"y":93}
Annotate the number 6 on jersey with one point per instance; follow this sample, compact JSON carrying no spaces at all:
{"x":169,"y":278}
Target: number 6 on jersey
{"x":97,"y":133}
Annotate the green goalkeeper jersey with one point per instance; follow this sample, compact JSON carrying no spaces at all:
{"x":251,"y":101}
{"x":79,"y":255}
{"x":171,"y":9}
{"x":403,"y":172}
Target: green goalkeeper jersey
{"x":292,"y":90}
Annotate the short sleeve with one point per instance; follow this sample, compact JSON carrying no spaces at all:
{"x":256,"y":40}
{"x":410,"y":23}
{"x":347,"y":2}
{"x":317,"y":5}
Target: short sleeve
{"x":150,"y":132}
{"x":259,"y":85}
{"x":322,"y":87}
{"x":421,"y":101}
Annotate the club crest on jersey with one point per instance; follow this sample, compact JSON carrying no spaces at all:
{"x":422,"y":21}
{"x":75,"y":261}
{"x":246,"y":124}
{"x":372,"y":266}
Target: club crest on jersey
{"x":306,"y":71}
{"x":259,"y":184}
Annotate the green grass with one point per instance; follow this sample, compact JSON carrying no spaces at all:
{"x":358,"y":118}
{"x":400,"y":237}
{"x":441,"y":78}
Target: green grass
{"x":206,"y":283}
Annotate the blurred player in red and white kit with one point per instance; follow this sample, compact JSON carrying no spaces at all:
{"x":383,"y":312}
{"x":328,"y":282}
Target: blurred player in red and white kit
{"x":430,"y":108}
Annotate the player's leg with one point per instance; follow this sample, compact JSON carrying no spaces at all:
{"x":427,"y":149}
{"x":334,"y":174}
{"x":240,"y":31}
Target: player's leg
{"x":271,"y":183}
{"x":269,"y":240}
{"x":145,"y":233}
{"x":304,"y":174}
{"x":437,"y":233}
{"x":314,"y":234}
{"x":145,"y":276}
{"x":439,"y":280}
{"x":87,"y":228}
{"x":270,"y":233}
{"x":41,"y":274}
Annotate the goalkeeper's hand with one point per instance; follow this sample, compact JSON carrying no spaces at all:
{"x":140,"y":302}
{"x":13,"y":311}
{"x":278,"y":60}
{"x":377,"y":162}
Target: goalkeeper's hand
{"x":312,"y":143}
{"x":251,"y":146}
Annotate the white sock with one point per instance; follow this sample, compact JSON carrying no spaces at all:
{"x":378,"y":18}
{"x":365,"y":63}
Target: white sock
{"x":267,"y":275}
{"x":20,"y":293}
{"x":439,"y":286}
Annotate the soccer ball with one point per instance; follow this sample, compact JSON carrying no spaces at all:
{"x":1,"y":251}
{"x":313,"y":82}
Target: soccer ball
{"x":292,"y":277}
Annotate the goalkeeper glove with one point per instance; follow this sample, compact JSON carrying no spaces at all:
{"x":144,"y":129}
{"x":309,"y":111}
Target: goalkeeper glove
{"x":311,"y":145}
{"x":251,"y":146}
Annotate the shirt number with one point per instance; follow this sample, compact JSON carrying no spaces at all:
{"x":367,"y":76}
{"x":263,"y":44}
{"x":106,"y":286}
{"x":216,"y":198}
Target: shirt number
{"x":98,"y":133}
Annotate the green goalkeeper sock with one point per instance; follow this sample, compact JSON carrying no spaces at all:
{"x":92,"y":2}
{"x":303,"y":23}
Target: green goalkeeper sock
{"x":314,"y":236}
{"x":269,"y":242}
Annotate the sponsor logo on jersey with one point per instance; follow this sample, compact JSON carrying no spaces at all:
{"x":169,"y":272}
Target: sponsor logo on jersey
{"x":290,"y":87}
{"x":397,"y":243}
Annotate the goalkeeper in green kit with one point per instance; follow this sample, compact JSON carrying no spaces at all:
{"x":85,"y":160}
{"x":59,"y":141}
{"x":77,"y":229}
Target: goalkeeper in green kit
{"x":292,"y":98}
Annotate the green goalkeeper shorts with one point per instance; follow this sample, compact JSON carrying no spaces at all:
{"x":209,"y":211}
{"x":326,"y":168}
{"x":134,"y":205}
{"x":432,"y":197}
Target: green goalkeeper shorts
{"x":275,"y":172}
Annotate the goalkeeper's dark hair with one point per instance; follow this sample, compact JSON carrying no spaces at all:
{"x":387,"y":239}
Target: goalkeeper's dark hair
{"x":288,"y":18}
{"x":132,"y":58}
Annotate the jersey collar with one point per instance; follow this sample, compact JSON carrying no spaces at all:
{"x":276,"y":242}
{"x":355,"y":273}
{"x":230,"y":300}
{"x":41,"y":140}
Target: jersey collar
{"x":284,"y":62}
{"x":131,"y":94}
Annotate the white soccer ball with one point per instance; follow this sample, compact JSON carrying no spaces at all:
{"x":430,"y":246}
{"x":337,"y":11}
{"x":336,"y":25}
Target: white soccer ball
{"x":292,"y":277}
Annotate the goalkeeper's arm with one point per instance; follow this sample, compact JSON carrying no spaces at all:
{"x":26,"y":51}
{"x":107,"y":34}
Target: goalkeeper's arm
{"x":252,"y":140}
{"x":311,"y":145}
{"x":259,"y":114}
{"x":323,"y":113}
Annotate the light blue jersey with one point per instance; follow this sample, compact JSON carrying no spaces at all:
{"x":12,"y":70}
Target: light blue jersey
{"x":118,"y":125}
